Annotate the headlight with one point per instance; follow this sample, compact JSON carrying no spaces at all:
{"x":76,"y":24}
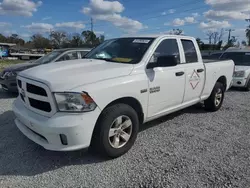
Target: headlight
{"x":239,"y":73}
{"x":74,"y":102}
{"x":9,"y":74}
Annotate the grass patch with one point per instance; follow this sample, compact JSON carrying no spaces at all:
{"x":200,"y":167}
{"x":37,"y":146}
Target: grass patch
{"x":7,"y":63}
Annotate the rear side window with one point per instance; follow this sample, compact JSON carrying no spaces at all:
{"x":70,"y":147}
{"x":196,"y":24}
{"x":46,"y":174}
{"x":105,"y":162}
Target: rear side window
{"x":166,"y":48}
{"x":69,"y":56}
{"x":190,"y":51}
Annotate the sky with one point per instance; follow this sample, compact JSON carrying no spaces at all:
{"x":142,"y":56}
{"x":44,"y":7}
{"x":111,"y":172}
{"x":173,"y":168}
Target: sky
{"x":122,"y":17}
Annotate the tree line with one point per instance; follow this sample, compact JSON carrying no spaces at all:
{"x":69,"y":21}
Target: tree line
{"x":56,"y":39}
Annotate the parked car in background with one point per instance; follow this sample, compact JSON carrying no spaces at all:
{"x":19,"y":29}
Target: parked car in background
{"x":215,"y":55}
{"x":122,"y":83}
{"x":8,"y":75}
{"x":241,"y":58}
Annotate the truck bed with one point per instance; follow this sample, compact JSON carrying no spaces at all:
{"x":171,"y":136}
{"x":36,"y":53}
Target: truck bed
{"x":213,"y":60}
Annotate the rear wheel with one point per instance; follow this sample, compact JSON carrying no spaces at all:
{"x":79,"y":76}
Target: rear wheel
{"x":116,"y":130}
{"x":214,"y":102}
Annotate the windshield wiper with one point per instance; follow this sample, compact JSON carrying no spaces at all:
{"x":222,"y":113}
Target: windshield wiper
{"x":109,"y":60}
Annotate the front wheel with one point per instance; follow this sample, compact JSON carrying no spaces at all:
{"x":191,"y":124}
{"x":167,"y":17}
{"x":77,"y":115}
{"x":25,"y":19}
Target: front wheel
{"x":116,"y":130}
{"x":214,"y":102}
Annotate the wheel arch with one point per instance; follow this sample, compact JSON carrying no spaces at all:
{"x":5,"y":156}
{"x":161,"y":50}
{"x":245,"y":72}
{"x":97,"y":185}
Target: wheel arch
{"x":131,"y":101}
{"x":223,"y":80}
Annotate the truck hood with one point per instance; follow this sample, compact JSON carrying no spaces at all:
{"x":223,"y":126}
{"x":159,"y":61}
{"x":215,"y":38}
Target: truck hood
{"x":20,"y":67}
{"x":242,"y":68}
{"x":66,"y":75}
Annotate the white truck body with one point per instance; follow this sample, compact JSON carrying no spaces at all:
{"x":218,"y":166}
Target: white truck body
{"x":241,"y":58}
{"x":156,"y":91}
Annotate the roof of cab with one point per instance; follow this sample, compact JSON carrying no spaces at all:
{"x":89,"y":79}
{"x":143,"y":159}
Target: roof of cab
{"x":155,"y":36}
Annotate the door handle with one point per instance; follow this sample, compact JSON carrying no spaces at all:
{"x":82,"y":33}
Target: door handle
{"x":200,"y":70}
{"x":179,"y":73}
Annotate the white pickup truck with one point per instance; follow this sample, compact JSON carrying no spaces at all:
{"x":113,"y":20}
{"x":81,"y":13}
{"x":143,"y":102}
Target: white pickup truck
{"x":101,"y":100}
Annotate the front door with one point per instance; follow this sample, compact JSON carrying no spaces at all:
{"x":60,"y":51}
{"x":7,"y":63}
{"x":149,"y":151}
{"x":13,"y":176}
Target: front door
{"x":166,"y":84}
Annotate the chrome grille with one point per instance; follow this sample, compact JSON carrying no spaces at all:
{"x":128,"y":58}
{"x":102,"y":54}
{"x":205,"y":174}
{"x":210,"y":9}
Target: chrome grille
{"x":36,"y":96}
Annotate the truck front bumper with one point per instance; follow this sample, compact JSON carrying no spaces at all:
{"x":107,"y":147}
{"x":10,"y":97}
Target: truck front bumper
{"x":61,"y":132}
{"x":8,"y":84}
{"x":239,"y":82}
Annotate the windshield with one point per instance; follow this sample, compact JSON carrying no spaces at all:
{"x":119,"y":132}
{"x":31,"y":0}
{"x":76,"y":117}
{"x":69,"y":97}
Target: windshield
{"x":239,"y":58}
{"x":48,"y":57}
{"x":121,"y":50}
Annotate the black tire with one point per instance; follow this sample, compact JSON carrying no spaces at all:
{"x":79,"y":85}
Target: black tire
{"x":210,"y":103}
{"x":100,"y":140}
{"x":248,"y":86}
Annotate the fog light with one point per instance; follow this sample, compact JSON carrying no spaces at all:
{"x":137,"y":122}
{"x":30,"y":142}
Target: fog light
{"x":63,"y":138}
{"x":239,"y":82}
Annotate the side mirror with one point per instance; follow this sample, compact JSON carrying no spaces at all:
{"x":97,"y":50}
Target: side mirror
{"x":164,"y":61}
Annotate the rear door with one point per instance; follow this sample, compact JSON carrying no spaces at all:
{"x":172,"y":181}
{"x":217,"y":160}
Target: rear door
{"x":194,"y":69}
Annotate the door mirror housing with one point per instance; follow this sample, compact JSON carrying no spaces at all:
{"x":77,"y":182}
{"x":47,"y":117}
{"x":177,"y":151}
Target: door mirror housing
{"x":164,"y":61}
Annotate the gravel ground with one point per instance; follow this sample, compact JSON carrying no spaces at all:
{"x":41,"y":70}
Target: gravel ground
{"x":191,"y":148}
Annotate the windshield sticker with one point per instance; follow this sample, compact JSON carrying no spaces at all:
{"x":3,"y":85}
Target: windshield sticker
{"x":123,"y":60}
{"x":141,"y":41}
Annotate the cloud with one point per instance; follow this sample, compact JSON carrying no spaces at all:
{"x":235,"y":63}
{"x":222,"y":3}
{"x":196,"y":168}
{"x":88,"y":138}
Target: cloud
{"x":39,"y":27}
{"x":74,"y":25}
{"x":230,"y":5}
{"x":211,"y":14}
{"x":167,"y":24}
{"x":190,"y":20}
{"x":171,"y":11}
{"x":163,"y":13}
{"x":170,"y":32}
{"x":178,"y":22}
{"x":110,"y":11}
{"x":240,"y":33}
{"x":19,"y":7}
{"x":46,"y":18}
{"x":99,"y":32}
{"x":195,"y":14}
{"x":5,"y":24}
{"x":124,"y":23}
{"x":214,"y":25}
{"x":103,"y":7}
{"x":25,"y":35}
{"x":8,"y":32}
{"x":228,"y":9}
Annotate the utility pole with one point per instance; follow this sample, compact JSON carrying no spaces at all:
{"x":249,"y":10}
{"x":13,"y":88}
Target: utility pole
{"x":91,"y":23}
{"x":229,"y":34}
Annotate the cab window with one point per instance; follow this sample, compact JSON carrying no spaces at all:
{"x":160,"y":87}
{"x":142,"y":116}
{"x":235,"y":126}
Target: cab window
{"x":167,"y":47}
{"x":190,"y":51}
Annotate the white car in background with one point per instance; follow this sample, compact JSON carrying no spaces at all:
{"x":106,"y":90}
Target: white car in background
{"x":241,"y":58}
